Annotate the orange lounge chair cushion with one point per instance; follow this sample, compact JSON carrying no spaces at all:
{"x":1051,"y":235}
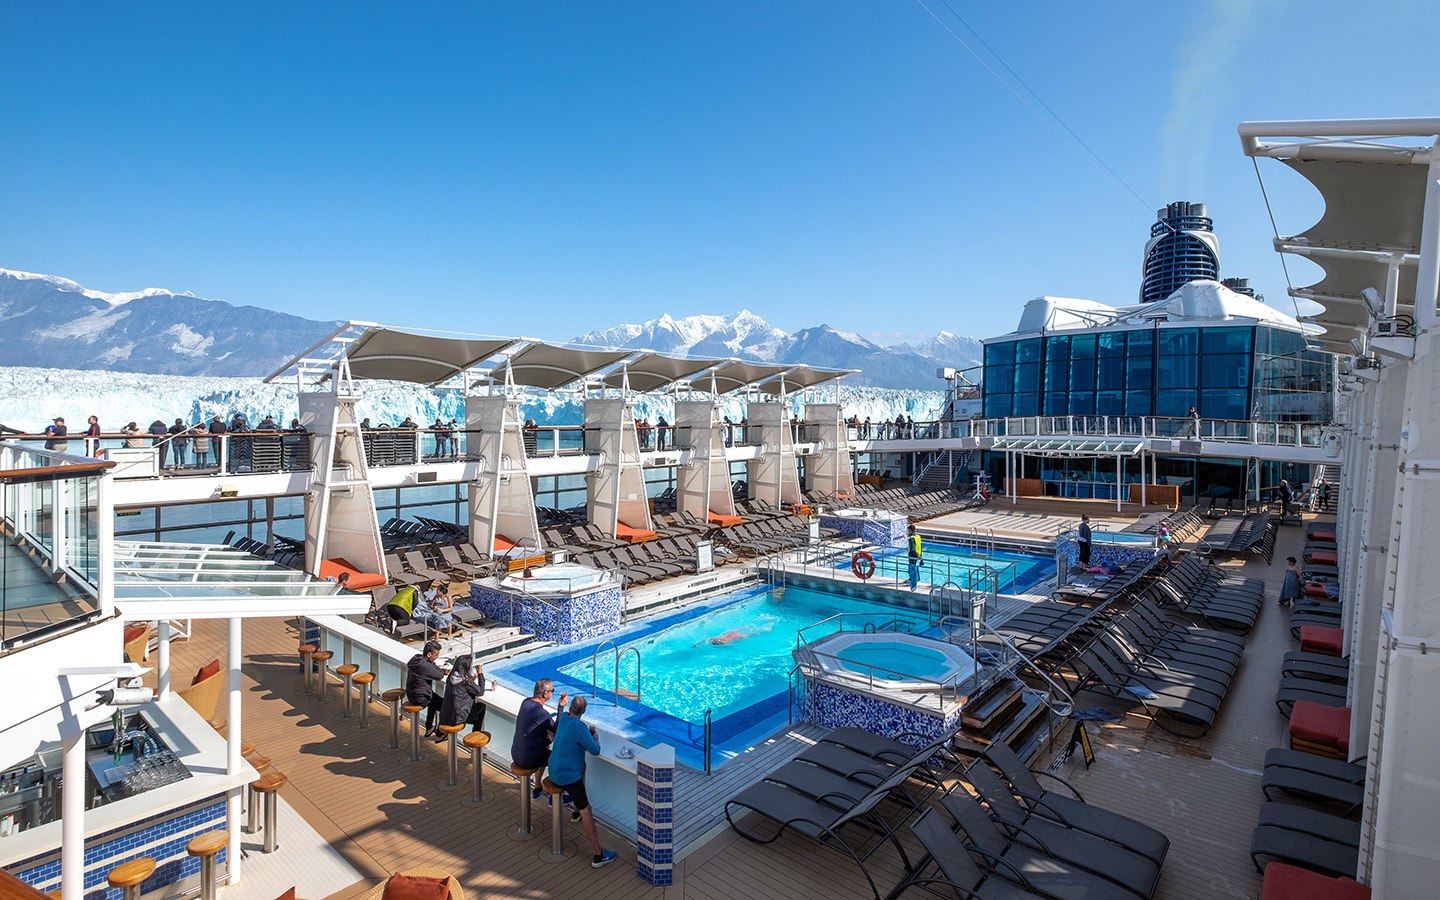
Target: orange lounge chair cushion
{"x":134,"y":631}
{"x":1327,"y":726}
{"x":1286,"y":882}
{"x":633,"y":535}
{"x":416,"y":887}
{"x":723,"y":520}
{"x":359,"y":581}
{"x":1327,"y":536}
{"x":1323,"y":557}
{"x":210,"y":668}
{"x":502,"y":544}
{"x":1322,"y":639}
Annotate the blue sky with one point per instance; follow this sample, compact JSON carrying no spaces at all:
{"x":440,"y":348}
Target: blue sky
{"x":545,"y":169}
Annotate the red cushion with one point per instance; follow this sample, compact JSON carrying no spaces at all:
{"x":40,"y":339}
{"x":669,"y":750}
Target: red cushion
{"x":1322,"y":639}
{"x":1327,"y":536}
{"x":210,"y":668}
{"x":416,"y":887}
{"x":1323,"y":557}
{"x":133,"y":631}
{"x":1328,"y":726}
{"x":359,"y":581}
{"x":1316,"y":589}
{"x":288,"y":895}
{"x":1286,"y":882}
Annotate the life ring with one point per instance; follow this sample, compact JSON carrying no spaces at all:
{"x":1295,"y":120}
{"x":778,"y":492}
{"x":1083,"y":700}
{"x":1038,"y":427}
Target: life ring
{"x":862,"y":564}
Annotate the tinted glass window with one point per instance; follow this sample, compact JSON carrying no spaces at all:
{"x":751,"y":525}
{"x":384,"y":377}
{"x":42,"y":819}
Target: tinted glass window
{"x":1177,"y":341}
{"x":1175,"y":403}
{"x":1082,"y":374}
{"x":1225,"y":370}
{"x":1223,"y":404}
{"x":1177,"y":372}
{"x":1082,"y":345}
{"x":1027,"y":351}
{"x":1027,"y":377}
{"x":1225,"y":340}
{"x":1000,"y":354}
{"x":1026,"y":405}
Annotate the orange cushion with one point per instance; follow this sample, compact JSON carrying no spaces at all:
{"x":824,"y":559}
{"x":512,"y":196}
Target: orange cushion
{"x":633,"y":535}
{"x":1286,"y":882}
{"x":724,"y":521}
{"x":207,"y":670}
{"x":1323,"y":557}
{"x":1322,"y":639}
{"x":1323,"y":536}
{"x":502,"y":544}
{"x":359,"y":581}
{"x":1328,"y":726}
{"x":133,"y":631}
{"x":416,"y":887}
{"x":288,"y":895}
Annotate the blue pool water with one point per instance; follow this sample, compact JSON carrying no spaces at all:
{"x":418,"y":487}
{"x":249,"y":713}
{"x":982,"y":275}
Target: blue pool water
{"x":882,"y":657}
{"x":960,"y":565}
{"x":731,"y":655}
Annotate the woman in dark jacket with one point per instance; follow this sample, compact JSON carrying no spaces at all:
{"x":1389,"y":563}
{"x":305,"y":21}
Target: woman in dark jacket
{"x":464,"y":687}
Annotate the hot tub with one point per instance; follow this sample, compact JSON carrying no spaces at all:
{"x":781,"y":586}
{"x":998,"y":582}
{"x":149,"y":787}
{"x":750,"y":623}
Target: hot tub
{"x":559,"y":579}
{"x":861,"y":512}
{"x":892,"y":661}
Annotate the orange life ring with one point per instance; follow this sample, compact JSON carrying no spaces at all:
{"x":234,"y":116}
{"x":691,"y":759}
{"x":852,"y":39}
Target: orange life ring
{"x":862,"y":564}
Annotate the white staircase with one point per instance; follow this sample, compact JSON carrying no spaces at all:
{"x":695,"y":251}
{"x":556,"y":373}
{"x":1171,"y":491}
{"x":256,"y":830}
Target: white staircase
{"x":942,"y":470}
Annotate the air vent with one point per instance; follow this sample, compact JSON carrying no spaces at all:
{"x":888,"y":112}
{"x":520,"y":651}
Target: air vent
{"x":426,"y":477}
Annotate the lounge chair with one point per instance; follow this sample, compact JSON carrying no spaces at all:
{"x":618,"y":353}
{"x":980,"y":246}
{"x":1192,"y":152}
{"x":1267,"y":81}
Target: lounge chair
{"x":1316,"y":840}
{"x":1315,"y":778}
{"x":1293,"y":690}
{"x":1185,"y":710}
{"x":955,"y":868}
{"x":1319,"y":666}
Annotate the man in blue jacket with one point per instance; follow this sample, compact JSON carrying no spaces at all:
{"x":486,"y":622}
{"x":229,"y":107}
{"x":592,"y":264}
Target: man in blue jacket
{"x":567,"y":769}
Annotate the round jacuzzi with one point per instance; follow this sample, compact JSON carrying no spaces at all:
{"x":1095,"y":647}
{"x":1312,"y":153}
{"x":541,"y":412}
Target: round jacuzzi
{"x":892,"y":661}
{"x":558,"y":579}
{"x":860,"y":512}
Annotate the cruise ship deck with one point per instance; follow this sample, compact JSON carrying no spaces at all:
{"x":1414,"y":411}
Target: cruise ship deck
{"x":384,"y":814}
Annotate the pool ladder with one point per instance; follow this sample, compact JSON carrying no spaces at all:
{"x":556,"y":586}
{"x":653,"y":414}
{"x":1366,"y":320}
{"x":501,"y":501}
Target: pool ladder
{"x":619,"y":655}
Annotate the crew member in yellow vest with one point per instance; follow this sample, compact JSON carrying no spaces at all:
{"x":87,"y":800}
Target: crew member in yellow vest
{"x":401,"y":607}
{"x":915,"y":557}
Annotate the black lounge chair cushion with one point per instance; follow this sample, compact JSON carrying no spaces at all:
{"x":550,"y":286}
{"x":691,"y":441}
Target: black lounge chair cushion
{"x":1269,"y":842}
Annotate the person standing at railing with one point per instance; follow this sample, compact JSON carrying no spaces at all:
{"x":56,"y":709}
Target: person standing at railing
{"x":915,"y":556}
{"x":134,"y":437}
{"x":1083,"y":541}
{"x":661,"y":427}
{"x":1284,"y":495}
{"x":158,"y":439}
{"x":92,"y":436}
{"x":177,"y":443}
{"x":57,"y":435}
{"x":201,"y":437}
{"x":1192,"y":430}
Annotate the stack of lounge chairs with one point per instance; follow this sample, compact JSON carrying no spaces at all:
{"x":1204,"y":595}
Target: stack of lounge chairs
{"x":1011,"y":838}
{"x":1250,"y":532}
{"x":1202,"y":590}
{"x":442,"y":562}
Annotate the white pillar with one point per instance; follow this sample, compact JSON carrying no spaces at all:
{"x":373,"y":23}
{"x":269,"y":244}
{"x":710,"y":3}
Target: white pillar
{"x":72,"y":813}
{"x":162,"y":660}
{"x":1117,"y":482}
{"x":233,"y":761}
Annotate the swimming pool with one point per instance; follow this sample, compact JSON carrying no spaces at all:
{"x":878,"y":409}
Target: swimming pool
{"x":964,"y":566}
{"x":731,"y":655}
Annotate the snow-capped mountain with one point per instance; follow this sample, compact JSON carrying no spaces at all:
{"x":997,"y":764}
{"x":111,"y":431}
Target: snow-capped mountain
{"x":747,"y":336}
{"x":46,"y":320}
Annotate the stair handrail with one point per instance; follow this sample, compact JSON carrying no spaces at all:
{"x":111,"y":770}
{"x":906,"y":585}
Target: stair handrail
{"x":619,"y":655}
{"x":595,"y":669}
{"x":1068,"y":705}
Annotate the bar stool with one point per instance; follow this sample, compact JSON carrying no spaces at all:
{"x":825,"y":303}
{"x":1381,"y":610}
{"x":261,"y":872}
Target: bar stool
{"x":306,"y":652}
{"x":252,"y":800}
{"x":246,"y":748}
{"x":393,"y":697}
{"x":527,"y":786}
{"x":557,"y":812}
{"x":452,"y":732}
{"x":266,"y":786}
{"x":413,"y":710}
{"x":476,"y":741}
{"x":321,"y":657}
{"x":345,"y":673}
{"x":363,"y":681}
{"x":128,"y":875}
{"x":204,"y":847}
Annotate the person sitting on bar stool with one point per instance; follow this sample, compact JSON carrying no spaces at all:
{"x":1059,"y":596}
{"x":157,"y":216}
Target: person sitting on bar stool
{"x":534,"y":730}
{"x":421,"y":670}
{"x":462,"y":704}
{"x":567,"y":771}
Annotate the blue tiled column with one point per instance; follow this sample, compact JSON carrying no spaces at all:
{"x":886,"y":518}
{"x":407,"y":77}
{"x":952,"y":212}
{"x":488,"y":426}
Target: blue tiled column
{"x":655,"y":815}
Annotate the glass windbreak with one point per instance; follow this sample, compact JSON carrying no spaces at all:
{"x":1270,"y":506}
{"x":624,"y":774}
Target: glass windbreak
{"x":49,"y":550}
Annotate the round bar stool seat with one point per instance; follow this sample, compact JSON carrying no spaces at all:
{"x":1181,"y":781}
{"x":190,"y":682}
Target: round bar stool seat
{"x":413,"y":710}
{"x":362,"y":681}
{"x":393,"y":697}
{"x":526,"y":774}
{"x":345,"y":673}
{"x":246,"y":748}
{"x":557,"y":830}
{"x":266,"y":786}
{"x":128,"y":875}
{"x":452,"y":735}
{"x":252,"y":800}
{"x":204,"y":847}
{"x":322,"y":657}
{"x":306,"y":651}
{"x":475,"y":742}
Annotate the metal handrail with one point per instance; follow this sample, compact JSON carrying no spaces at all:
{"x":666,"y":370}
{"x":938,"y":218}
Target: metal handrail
{"x":619,"y":655}
{"x":709,"y":741}
{"x":1055,"y":687}
{"x":595,"y":669}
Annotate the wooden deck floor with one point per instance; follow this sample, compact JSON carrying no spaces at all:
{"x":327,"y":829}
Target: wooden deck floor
{"x":384,"y":814}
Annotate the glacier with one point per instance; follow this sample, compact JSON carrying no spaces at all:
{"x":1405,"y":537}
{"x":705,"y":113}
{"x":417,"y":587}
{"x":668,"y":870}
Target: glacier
{"x":31,"y":397}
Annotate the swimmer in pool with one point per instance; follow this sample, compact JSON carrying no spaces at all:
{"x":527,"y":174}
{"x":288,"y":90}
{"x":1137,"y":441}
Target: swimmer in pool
{"x":733,"y":635}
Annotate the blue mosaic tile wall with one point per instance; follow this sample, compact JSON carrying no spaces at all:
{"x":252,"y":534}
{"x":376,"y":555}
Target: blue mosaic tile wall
{"x":655,"y":815}
{"x":829,"y":706}
{"x":1111,"y":556}
{"x":162,"y":838}
{"x":881,"y":532}
{"x":578,"y":618}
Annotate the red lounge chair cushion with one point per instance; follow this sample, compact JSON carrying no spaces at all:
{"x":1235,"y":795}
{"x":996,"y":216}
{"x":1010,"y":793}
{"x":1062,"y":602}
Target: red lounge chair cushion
{"x":1321,"y":639}
{"x":1323,"y":557}
{"x":207,"y":670}
{"x":1328,"y":726}
{"x":133,"y":631}
{"x":288,"y":895}
{"x":1316,"y":590}
{"x":633,"y":535}
{"x":1286,"y":882}
{"x":359,"y":581}
{"x":1328,"y":536}
{"x":416,"y":887}
{"x":724,"y":521}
